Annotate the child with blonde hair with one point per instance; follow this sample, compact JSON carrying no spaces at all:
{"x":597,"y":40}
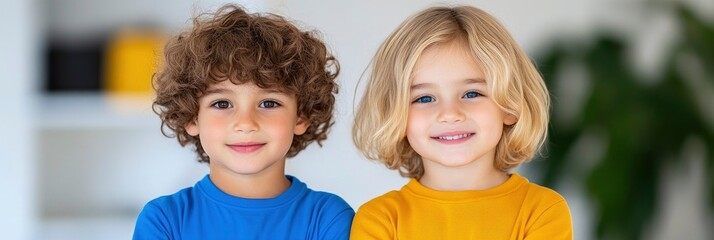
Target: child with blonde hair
{"x":454,"y":103}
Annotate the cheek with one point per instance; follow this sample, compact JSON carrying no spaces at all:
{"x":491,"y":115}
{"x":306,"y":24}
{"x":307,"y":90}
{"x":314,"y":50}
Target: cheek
{"x":491,"y":127}
{"x":279,"y":126}
{"x":417,"y":123}
{"x":213,"y":126}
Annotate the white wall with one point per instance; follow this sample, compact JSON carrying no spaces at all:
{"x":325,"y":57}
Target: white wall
{"x":18,"y":61}
{"x":80,"y":17}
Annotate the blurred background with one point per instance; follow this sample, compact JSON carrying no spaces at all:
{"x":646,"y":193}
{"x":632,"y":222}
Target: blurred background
{"x":631,"y":144}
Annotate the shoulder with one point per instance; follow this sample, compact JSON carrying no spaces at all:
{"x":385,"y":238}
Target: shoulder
{"x":158,"y":217}
{"x":549,"y":214}
{"x":540,"y":195}
{"x":541,"y":200}
{"x":389,"y":200}
{"x":535,"y":189}
{"x":320,"y":199}
{"x":375,"y":219}
{"x":327,"y":205}
{"x":169,"y":204}
{"x":327,"y":201}
{"x":177,"y":199}
{"x":332,"y":213}
{"x":384,"y":208}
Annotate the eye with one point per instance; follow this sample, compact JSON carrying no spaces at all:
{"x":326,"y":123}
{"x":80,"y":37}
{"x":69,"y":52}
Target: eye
{"x":424,"y":99}
{"x":472,"y":94}
{"x":269,"y":104}
{"x":221,"y":104}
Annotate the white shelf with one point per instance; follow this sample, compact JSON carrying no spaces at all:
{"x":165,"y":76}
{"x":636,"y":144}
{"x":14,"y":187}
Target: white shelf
{"x":95,"y":110}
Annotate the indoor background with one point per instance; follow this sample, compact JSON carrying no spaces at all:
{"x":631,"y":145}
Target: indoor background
{"x":631,"y":143}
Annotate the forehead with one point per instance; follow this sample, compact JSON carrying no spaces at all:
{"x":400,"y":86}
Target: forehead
{"x":228,"y":87}
{"x":244,"y":85}
{"x":448,"y":62}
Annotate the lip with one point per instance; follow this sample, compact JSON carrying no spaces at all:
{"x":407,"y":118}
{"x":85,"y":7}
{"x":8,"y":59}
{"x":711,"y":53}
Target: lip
{"x":248,"y":147}
{"x":453,"y":137}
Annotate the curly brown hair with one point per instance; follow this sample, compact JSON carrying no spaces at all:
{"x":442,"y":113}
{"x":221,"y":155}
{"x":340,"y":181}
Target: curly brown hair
{"x":265,"y":49}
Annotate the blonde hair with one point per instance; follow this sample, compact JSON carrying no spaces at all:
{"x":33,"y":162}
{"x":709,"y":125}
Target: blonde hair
{"x":379,"y":129}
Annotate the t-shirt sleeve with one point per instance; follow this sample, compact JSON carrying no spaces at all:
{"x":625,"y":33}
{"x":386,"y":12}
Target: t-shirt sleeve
{"x":338,"y":227}
{"x":368,"y":224}
{"x":152,"y":223}
{"x":554,"y":223}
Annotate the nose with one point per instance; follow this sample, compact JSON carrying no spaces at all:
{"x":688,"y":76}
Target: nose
{"x":450,"y":112}
{"x":245,"y":122}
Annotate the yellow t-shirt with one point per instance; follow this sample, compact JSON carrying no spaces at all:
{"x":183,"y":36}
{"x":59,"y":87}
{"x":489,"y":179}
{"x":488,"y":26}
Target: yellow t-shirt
{"x":515,"y":209}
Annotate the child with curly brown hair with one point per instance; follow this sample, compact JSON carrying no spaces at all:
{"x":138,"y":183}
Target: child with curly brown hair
{"x":247,"y":91}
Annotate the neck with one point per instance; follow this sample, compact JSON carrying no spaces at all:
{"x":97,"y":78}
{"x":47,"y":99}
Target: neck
{"x":479,"y":176}
{"x":254,"y":186}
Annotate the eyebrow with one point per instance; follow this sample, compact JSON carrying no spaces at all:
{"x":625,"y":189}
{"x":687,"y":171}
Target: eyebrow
{"x":225,"y":91}
{"x":466,"y":81}
{"x":216,"y":91}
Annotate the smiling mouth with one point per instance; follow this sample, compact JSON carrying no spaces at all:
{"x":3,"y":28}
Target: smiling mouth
{"x":246,"y":148}
{"x":454,"y":139}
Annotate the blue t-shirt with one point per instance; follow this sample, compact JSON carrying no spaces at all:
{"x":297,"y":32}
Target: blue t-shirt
{"x":205,"y":212}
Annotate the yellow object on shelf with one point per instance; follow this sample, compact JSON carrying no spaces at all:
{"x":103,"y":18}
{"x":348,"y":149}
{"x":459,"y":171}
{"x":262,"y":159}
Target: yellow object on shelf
{"x":132,"y":57}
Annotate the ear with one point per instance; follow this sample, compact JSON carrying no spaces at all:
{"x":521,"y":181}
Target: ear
{"x":192,"y":128}
{"x":301,"y":125}
{"x":510,"y":119}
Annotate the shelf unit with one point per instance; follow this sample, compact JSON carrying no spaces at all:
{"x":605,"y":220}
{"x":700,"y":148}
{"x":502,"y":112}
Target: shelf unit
{"x":89,"y":110}
{"x":100,"y":158}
